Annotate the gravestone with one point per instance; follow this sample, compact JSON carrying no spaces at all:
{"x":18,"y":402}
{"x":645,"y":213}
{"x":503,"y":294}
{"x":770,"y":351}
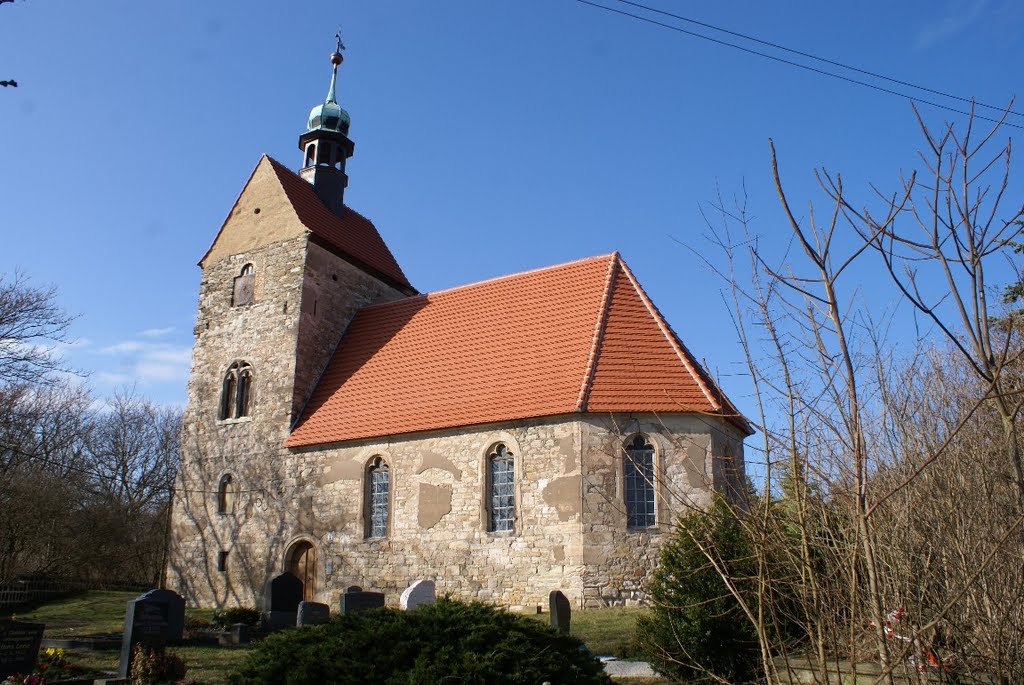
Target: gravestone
{"x":420,"y":592}
{"x":238,"y":634}
{"x":19,"y":646}
{"x":174,"y":611}
{"x":353,"y":600}
{"x":558,"y":605}
{"x":313,"y":614}
{"x":153,"y":619}
{"x":281,"y":597}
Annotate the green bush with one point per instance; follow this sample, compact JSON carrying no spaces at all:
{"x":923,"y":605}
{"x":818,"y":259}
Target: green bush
{"x":444,"y":642}
{"x":225,"y":618}
{"x":696,"y":630}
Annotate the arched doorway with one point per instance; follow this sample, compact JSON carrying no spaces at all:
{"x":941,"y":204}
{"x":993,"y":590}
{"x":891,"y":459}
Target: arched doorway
{"x":302,"y":563}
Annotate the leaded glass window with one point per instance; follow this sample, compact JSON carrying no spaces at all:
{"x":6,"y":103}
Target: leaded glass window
{"x":378,"y":499}
{"x":638,"y":483}
{"x":501,"y":468}
{"x":236,"y":391}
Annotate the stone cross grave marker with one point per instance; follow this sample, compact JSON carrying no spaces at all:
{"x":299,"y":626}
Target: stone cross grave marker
{"x":19,"y":646}
{"x":154,"y":619}
{"x":558,"y":605}
{"x":281,"y":598}
{"x":313,"y":614}
{"x":353,"y":599}
{"x":420,"y":592}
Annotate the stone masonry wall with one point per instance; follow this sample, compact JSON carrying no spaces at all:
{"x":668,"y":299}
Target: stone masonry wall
{"x":332,"y":291}
{"x":618,"y":559}
{"x":304,"y":297}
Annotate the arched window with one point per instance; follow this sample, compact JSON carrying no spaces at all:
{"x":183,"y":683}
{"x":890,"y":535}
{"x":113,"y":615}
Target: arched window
{"x":244,"y":286}
{"x":501,"y":492}
{"x":377,"y":498}
{"x":236,"y":392}
{"x":310,"y":154}
{"x":226,"y":495}
{"x":638,"y":482}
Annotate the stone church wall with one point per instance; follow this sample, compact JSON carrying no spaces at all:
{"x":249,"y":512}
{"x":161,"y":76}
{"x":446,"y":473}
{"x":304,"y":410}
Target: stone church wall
{"x":617,"y":560}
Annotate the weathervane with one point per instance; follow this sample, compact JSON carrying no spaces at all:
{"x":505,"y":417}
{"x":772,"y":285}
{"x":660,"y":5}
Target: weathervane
{"x":336,"y":57}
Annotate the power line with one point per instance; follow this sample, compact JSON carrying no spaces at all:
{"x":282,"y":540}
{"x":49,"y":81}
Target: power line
{"x":799,"y":65}
{"x":809,"y":55}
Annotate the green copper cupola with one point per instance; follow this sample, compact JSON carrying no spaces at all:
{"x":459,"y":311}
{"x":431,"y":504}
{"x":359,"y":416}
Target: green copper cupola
{"x":326,"y":145}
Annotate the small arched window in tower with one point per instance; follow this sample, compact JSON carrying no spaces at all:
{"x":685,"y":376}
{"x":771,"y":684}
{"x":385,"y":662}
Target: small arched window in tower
{"x":378,"y":487}
{"x":638,"y":482}
{"x":244,"y":286}
{"x":501,"y":494}
{"x":226,"y":495}
{"x":310,"y":154}
{"x":236,"y":392}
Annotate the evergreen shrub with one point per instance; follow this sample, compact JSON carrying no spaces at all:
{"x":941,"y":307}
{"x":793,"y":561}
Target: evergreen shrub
{"x":696,"y":630}
{"x":445,"y":642}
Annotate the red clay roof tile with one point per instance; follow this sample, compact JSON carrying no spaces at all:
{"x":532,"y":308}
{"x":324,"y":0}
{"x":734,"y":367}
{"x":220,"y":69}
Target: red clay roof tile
{"x":576,"y":337}
{"x":352,"y":233}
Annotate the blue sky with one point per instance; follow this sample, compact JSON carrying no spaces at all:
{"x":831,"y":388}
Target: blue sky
{"x":490,"y":137}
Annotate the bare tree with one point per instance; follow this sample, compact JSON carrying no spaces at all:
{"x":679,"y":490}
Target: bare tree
{"x":31,"y":327}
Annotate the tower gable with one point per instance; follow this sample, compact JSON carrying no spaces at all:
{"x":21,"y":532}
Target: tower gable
{"x":262,"y":215}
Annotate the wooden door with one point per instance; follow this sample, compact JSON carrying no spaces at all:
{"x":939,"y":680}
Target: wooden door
{"x":302,"y":563}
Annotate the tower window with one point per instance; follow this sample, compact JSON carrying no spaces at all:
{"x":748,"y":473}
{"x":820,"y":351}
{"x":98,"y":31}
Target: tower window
{"x":310,"y":154}
{"x":244,"y":286}
{"x":226,"y":495}
{"x":377,"y":497}
{"x":222,"y":562}
{"x":236,"y":392}
{"x":501,"y":489}
{"x":638,"y":482}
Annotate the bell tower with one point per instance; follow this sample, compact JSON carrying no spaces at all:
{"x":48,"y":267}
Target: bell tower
{"x":326,"y":146}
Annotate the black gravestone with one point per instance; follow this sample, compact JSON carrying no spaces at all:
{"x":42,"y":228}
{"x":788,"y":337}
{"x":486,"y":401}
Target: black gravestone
{"x":354,"y":600}
{"x":313,"y":614}
{"x":174,"y":610}
{"x":148,"y":623}
{"x":558,"y":605}
{"x":281,"y":598}
{"x":19,"y":646}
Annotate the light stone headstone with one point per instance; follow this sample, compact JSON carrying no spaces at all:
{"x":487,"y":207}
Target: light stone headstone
{"x":420,"y":592}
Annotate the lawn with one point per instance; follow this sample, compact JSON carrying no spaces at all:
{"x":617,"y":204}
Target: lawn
{"x":604,"y":631}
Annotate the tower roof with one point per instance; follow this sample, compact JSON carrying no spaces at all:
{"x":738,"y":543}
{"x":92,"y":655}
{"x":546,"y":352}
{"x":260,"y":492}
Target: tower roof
{"x":579,"y":337}
{"x":329,"y":116}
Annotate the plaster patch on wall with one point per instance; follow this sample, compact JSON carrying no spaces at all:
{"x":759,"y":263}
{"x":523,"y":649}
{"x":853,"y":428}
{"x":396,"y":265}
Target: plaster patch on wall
{"x":340,"y":469}
{"x":695,"y":464}
{"x":570,"y":455}
{"x":434,"y":502}
{"x":564,"y":495}
{"x":558,"y":552}
{"x":432,"y":460}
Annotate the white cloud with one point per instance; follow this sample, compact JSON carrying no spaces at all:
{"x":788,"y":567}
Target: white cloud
{"x":156,"y":332}
{"x":958,"y":18}
{"x":144,"y":363}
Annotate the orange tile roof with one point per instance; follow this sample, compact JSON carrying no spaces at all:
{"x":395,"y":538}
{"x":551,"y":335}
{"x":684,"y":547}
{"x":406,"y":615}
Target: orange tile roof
{"x":352,"y":233}
{"x":577,"y":337}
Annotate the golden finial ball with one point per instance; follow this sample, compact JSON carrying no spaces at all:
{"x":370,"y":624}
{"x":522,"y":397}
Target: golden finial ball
{"x":336,"y":58}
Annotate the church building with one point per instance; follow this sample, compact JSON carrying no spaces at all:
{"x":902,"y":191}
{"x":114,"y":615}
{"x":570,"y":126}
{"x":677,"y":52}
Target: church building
{"x":531,"y":432}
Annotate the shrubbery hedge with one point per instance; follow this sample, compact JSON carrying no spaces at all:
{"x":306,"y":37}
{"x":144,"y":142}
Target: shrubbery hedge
{"x":444,"y":642}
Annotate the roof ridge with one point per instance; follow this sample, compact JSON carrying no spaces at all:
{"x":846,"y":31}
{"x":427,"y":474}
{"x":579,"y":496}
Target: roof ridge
{"x":680,"y":350}
{"x":494,"y":279}
{"x":599,"y":327}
